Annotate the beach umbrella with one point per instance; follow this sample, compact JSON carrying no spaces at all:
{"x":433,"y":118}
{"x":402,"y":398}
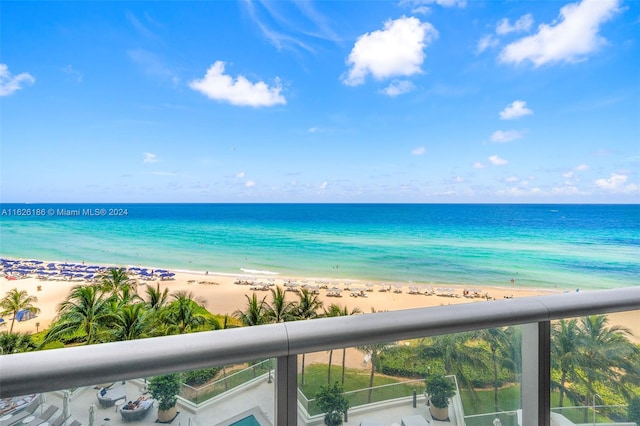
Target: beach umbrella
{"x":92,"y":414}
{"x":65,"y":405}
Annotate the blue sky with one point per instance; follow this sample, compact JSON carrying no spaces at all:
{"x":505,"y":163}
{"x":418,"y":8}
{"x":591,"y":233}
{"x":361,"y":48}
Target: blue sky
{"x":336,"y":101}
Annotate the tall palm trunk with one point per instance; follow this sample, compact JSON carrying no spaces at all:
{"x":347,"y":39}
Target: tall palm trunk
{"x":344,"y":361}
{"x":302,"y":376}
{"x":373,"y":371}
{"x":563,"y":379}
{"x":329,"y":369}
{"x":495,"y":380}
{"x":224,"y":377}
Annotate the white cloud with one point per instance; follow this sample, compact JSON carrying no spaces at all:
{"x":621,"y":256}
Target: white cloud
{"x":150,"y":63}
{"x":574,"y":35}
{"x":616,"y":183}
{"x":497,"y":161}
{"x":443,"y":3}
{"x":504,"y":136}
{"x":568,"y":189}
{"x":324,"y":185}
{"x":397,"y":50}
{"x":75,"y":73}
{"x":149,"y":158}
{"x":515,"y":110}
{"x":422,"y":6}
{"x":398,"y":87}
{"x":512,"y":179}
{"x":9,"y":83}
{"x":522,"y":24}
{"x":478,"y":165}
{"x":216,"y":85}
{"x":486,"y":42}
{"x":421,"y":10}
{"x":419,"y":151}
{"x":240,"y":175}
{"x":249,"y":184}
{"x":578,"y":168}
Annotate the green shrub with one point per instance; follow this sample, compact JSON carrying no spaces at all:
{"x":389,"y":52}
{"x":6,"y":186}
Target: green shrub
{"x":407,"y":361}
{"x":199,"y":377}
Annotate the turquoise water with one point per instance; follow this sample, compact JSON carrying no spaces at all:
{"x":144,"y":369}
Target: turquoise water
{"x":547,"y":246}
{"x":247,"y":421}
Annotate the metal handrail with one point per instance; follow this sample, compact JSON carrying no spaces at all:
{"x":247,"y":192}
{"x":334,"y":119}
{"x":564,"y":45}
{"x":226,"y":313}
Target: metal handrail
{"x":55,"y":369}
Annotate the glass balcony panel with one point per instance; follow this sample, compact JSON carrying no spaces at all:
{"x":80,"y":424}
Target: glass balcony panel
{"x":385,"y":401}
{"x":595,"y":362}
{"x":241,"y":394}
{"x":400,"y":372}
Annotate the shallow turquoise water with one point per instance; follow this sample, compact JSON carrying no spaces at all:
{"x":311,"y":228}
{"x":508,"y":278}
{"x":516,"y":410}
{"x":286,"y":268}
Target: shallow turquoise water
{"x":564,"y":246}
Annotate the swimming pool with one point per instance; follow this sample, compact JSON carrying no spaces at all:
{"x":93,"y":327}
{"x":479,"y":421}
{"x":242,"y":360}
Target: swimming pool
{"x":250,"y":420}
{"x":253,"y":417}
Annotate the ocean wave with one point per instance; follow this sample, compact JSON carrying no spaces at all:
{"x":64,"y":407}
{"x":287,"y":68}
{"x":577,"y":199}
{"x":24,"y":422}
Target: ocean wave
{"x":258,"y":271}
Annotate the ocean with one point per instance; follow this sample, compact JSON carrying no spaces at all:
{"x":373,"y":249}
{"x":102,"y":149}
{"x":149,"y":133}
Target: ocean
{"x":537,"y":246}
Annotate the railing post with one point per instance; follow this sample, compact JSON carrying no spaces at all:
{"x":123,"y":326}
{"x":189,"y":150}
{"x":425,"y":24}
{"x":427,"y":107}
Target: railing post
{"x":286,"y":392}
{"x":536,"y":374}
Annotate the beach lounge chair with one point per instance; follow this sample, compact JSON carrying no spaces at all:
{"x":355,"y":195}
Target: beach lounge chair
{"x":58,"y":421}
{"x":414,"y":421}
{"x":24,"y":411}
{"x":46,"y":415}
{"x":137,"y":413}
{"x":367,"y":422}
{"x":107,"y":398}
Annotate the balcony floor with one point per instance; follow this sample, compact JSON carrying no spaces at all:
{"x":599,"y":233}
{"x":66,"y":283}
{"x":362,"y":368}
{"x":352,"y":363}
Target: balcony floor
{"x":261,"y":395}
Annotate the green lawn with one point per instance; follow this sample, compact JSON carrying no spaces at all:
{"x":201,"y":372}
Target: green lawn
{"x":316,"y":376}
{"x":509,"y":399}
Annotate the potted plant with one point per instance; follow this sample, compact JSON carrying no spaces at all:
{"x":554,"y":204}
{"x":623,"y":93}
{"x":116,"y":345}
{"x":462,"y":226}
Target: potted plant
{"x":165,"y":389}
{"x":332,"y":402}
{"x":440,"y":390}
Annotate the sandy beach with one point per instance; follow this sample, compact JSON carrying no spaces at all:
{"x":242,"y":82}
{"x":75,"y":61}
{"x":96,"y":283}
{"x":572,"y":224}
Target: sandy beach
{"x":223,"y":296}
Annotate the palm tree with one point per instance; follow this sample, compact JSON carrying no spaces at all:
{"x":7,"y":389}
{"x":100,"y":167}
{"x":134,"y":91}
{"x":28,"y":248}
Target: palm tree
{"x":374,"y":351}
{"x":279,"y":310}
{"x":307,"y":308}
{"x":607,"y":353}
{"x":156,"y":299}
{"x":116,"y":282}
{"x":339,"y":311}
{"x":566,"y":338}
{"x":87,"y":309}
{"x":185,"y":314}
{"x":256,"y":312}
{"x":17,"y":300}
{"x":498,"y":341}
{"x":133,"y":322}
{"x":456,"y":353}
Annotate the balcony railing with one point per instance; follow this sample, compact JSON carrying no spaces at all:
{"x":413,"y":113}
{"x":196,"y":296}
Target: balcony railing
{"x":43,"y":371}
